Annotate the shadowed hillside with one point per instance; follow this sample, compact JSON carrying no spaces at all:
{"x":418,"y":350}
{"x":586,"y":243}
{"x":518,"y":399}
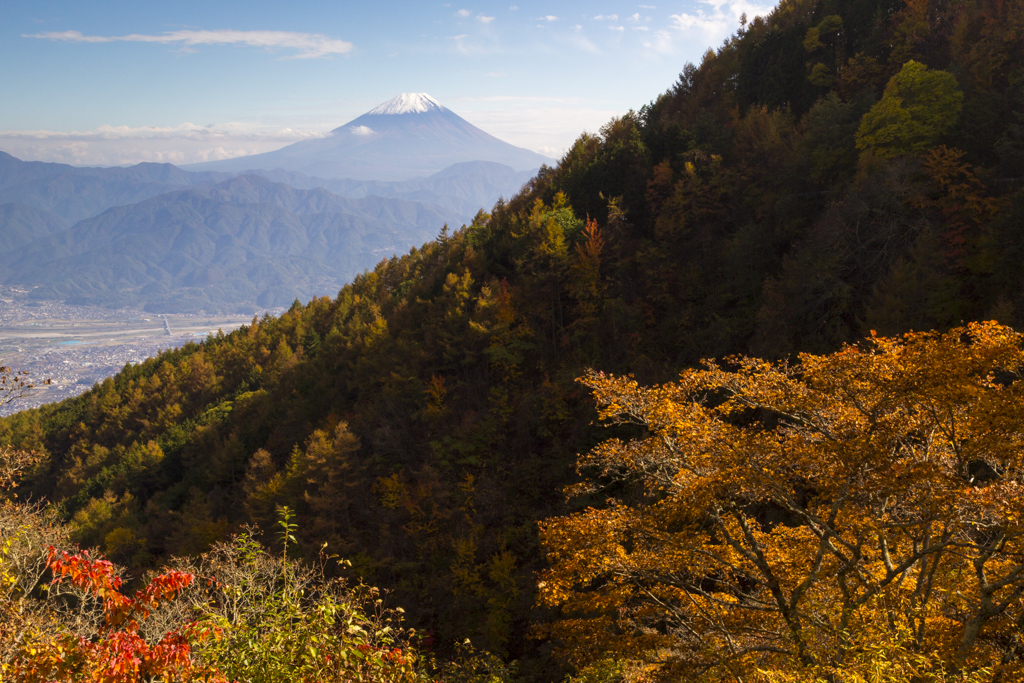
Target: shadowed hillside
{"x":834,"y":168}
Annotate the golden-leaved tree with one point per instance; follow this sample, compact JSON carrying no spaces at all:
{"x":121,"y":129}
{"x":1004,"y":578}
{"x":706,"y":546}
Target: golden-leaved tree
{"x":853,"y":517}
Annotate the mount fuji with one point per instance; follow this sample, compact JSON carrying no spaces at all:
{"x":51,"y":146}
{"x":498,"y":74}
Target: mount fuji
{"x":410,"y":136}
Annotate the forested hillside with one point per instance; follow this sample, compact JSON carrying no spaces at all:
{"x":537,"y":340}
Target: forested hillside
{"x":834,"y":168}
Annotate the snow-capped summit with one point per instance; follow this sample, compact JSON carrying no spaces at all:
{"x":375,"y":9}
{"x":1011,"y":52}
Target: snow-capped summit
{"x":408,"y":103}
{"x":412,"y":135}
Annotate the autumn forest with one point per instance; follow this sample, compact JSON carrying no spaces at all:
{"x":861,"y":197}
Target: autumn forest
{"x":731,"y":393}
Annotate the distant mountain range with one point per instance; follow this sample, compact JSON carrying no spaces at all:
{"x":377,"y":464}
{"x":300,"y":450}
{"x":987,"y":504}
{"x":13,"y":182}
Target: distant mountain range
{"x":69,"y":193}
{"x":168,"y":239}
{"x":21,"y":224}
{"x":410,"y":136}
{"x":244,"y":243}
{"x":463,"y":188}
{"x":74,"y":193}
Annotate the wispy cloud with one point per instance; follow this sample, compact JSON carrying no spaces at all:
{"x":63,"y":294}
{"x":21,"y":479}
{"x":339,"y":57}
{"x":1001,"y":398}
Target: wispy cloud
{"x":485,"y":20}
{"x":476,"y":46}
{"x":548,"y":17}
{"x":547,"y":125}
{"x":606,"y":17}
{"x":185,"y":130}
{"x":725,"y":15}
{"x":463,"y":13}
{"x":536,"y":99}
{"x":661,"y":42}
{"x":708,"y":27}
{"x":182,"y":144}
{"x":580,"y":42}
{"x":460,"y":42}
{"x":617,"y":28}
{"x":307,"y":45}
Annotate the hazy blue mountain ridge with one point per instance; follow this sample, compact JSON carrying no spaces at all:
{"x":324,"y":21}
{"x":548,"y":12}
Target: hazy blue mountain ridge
{"x":74,"y":193}
{"x":244,"y":243}
{"x":22,"y":224}
{"x":301,"y":225}
{"x":464,"y":188}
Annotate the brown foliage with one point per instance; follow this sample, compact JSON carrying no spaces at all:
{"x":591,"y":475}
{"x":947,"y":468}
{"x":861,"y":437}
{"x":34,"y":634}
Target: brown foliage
{"x":782,"y":520}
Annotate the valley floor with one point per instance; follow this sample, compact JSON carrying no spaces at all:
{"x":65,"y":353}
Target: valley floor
{"x":77,"y":346}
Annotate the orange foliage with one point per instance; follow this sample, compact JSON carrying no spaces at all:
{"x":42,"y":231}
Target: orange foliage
{"x":117,"y":653}
{"x":783,"y":519}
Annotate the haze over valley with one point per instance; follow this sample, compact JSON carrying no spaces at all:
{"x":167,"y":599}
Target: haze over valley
{"x":105,"y":266}
{"x":76,"y":346}
{"x":252,"y":232}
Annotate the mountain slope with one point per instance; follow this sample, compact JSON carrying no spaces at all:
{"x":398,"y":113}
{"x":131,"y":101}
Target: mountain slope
{"x":463,"y":188}
{"x":243,"y":243}
{"x":409,"y":136}
{"x":74,"y":193}
{"x":734,"y":214}
{"x":21,"y":224}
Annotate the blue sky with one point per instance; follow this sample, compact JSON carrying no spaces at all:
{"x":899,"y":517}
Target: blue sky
{"x":120,"y":82}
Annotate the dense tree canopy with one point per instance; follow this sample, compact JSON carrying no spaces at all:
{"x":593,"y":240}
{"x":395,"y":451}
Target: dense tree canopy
{"x":425,"y":419}
{"x":787,"y":518}
{"x":917,"y":107}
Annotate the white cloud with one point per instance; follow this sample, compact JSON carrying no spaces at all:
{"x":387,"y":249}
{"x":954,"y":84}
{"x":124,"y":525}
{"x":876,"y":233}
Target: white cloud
{"x":485,"y":20}
{"x":581,"y":43}
{"x":661,"y":42}
{"x":648,"y":7}
{"x":522,"y":99}
{"x":713,"y":24}
{"x":476,"y":46}
{"x":513,"y":8}
{"x":640,"y":28}
{"x":308,"y":45}
{"x":635,"y":17}
{"x":617,"y":28}
{"x":549,"y":17}
{"x":120,"y":145}
{"x":192,"y":131}
{"x":608,"y":17}
{"x":463,"y":13}
{"x":362,"y":131}
{"x":460,"y":42}
{"x":709,"y":28}
{"x":547,"y":125}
